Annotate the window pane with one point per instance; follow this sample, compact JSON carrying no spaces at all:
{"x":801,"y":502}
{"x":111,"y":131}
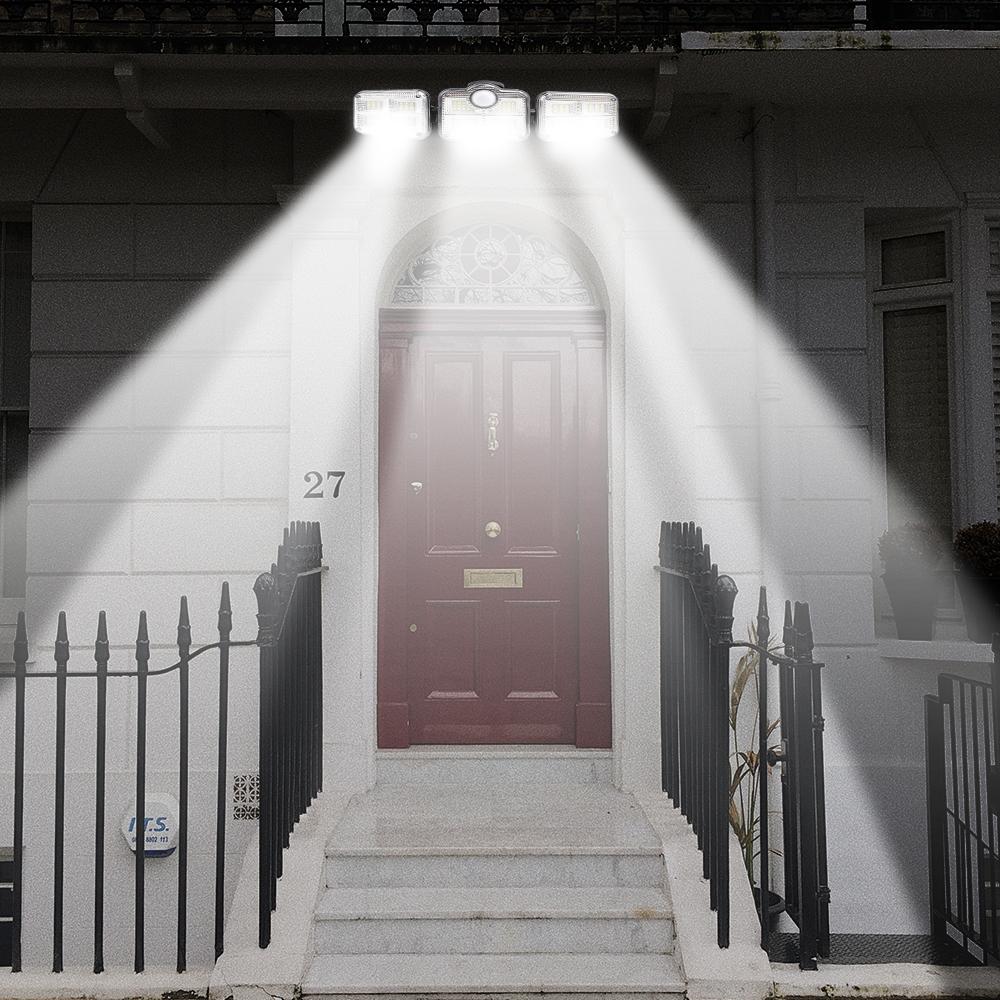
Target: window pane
{"x":17,"y":236}
{"x":914,"y":258}
{"x":996,"y":397}
{"x":917,"y":428}
{"x":13,"y":507}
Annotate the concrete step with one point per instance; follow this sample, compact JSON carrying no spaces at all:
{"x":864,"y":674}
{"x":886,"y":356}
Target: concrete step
{"x":493,"y":920}
{"x":481,"y":834}
{"x":499,"y":868}
{"x":442,"y":975}
{"x":439,"y":766}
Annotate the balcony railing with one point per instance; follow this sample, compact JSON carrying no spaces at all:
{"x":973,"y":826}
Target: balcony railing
{"x":568,"y":19}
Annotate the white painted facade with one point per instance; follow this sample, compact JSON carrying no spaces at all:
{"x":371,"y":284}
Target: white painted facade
{"x":124,"y":235}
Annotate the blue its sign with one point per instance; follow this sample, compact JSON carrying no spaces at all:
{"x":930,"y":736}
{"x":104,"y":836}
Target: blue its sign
{"x":159,"y":826}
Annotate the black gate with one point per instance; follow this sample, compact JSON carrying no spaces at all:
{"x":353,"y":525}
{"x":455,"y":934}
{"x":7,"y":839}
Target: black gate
{"x":962,"y":815}
{"x":696,"y":636}
{"x":803,"y":793}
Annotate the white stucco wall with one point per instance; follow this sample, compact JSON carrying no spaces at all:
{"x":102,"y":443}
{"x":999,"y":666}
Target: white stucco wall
{"x":122,"y":242}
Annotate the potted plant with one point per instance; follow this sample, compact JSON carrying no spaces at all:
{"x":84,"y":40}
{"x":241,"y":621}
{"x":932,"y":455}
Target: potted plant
{"x":746,"y":812}
{"x":911,"y":554}
{"x":977,"y":568}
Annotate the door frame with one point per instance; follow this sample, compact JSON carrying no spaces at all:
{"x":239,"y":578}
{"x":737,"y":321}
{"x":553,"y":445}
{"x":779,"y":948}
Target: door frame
{"x":587,"y":327}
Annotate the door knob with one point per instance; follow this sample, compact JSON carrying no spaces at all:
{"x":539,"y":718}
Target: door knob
{"x":492,"y":529}
{"x":416,"y":487}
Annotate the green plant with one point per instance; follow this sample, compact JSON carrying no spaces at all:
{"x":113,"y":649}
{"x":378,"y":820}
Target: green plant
{"x":977,"y":548}
{"x":744,"y":786}
{"x":911,"y":545}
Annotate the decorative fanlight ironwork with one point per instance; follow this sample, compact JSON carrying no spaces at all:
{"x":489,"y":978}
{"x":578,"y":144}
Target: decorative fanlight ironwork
{"x":491,"y":264}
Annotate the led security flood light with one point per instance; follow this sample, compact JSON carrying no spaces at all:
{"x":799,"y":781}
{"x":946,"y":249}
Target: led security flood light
{"x":484,"y":111}
{"x":403,"y":114}
{"x":563,"y":115}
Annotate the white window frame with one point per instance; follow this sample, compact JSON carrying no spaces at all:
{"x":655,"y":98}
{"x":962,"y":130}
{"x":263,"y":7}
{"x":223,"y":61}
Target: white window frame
{"x":991,"y":282}
{"x":945,"y":291}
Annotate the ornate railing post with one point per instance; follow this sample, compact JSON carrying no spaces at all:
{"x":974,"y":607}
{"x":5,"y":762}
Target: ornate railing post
{"x":763,"y":762}
{"x":725,"y":597}
{"x":936,"y":811}
{"x":20,"y":676}
{"x":266,"y":590}
{"x":993,"y":779}
{"x":225,"y":626}
{"x":806,"y":778}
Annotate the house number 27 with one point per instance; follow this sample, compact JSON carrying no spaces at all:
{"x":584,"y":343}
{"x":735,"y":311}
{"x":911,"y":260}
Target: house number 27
{"x":316,"y":482}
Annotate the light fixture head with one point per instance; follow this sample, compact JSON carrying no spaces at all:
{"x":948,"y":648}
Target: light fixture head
{"x":564,"y":115}
{"x":483,"y":111}
{"x":484,"y":93}
{"x":403,"y":114}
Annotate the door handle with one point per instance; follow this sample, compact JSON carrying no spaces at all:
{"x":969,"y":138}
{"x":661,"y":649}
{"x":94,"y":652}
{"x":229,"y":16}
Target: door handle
{"x":492,"y":423}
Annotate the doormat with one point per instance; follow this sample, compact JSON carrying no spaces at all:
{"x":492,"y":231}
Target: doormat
{"x":875,"y":949}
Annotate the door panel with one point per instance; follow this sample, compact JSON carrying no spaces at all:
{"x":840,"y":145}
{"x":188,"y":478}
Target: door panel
{"x":533,"y":452}
{"x":491,"y":436}
{"x":452,"y":643}
{"x":532,"y":645}
{"x":452,"y":403}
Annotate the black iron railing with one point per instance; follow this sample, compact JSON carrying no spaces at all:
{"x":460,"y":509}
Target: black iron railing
{"x":290,"y":737}
{"x":963,"y":824}
{"x":799,"y":751}
{"x":696,"y":635}
{"x":164,"y":18}
{"x":291,"y":702}
{"x":640,"y":20}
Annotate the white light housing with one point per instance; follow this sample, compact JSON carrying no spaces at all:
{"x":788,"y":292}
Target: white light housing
{"x":569,"y":116}
{"x":403,"y":114}
{"x":483,"y":112}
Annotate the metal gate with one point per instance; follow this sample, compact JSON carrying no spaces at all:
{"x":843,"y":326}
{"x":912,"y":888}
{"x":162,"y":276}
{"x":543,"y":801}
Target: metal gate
{"x":962,"y":815}
{"x":696,"y":636}
{"x":803,"y":791}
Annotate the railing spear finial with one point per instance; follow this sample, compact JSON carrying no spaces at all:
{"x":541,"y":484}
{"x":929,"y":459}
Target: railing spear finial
{"x":183,"y":629}
{"x":788,"y":631}
{"x":803,"y":633}
{"x":725,"y":598}
{"x":225,"y":612}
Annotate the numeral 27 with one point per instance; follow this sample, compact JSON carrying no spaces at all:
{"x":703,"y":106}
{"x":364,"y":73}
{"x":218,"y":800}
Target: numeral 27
{"x":315,"y":481}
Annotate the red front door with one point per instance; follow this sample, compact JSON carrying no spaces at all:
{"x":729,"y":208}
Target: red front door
{"x":484,"y":449}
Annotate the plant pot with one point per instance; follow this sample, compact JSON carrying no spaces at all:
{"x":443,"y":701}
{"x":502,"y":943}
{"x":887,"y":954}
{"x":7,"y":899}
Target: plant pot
{"x":775,"y":906}
{"x":914,"y":597}
{"x":981,"y":603}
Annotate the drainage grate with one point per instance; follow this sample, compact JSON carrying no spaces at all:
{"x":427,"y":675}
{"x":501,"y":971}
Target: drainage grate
{"x":246,"y":796}
{"x":875,"y":949}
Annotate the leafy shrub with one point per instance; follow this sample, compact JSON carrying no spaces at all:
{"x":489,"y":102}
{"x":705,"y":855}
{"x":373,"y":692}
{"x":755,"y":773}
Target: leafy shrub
{"x":977,"y":548}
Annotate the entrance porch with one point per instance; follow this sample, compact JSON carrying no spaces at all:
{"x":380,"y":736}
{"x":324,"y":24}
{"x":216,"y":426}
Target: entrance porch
{"x":494,"y":871}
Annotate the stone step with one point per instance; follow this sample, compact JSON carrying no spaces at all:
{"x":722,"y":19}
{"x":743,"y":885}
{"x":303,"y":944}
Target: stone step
{"x":439,"y":766}
{"x":441,"y":975}
{"x":493,"y":920}
{"x":578,"y":867}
